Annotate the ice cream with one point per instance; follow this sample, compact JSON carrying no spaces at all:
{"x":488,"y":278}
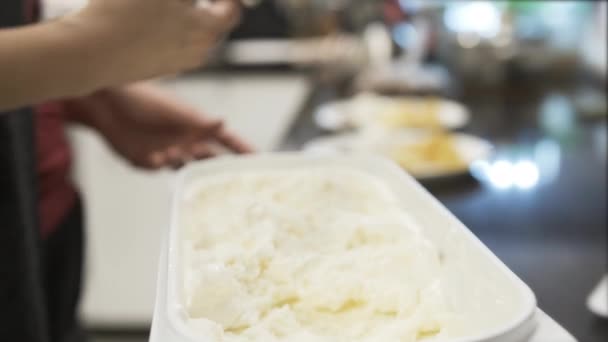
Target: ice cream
{"x":323,"y":254}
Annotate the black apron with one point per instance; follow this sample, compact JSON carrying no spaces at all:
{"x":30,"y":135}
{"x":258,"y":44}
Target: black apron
{"x":22,"y":308}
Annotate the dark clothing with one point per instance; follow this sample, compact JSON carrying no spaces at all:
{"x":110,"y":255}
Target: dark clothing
{"x":62,"y":256}
{"x":23,"y":315}
{"x":39,"y":281}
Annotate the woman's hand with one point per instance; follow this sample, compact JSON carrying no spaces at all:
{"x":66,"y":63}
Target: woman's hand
{"x":149,"y":38}
{"x":109,"y":43}
{"x":150,"y":129}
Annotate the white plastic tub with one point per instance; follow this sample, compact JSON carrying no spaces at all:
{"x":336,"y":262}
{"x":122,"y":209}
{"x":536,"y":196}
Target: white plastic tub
{"x":470,"y":261}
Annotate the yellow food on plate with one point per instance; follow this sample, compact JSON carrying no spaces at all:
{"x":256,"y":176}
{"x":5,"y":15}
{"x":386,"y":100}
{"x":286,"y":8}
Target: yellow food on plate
{"x":434,"y":154}
{"x":414,"y":113}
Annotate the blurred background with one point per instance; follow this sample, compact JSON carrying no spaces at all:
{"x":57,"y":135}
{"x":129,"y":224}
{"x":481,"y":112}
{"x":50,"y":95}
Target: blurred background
{"x":497,"y":107}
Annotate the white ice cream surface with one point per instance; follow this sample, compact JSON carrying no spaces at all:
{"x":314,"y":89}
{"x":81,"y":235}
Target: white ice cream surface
{"x":324,"y":254}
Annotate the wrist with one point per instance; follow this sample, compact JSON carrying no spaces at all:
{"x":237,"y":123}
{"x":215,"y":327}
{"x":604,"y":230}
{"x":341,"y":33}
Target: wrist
{"x":49,"y":61}
{"x":88,"y":110}
{"x":99,"y":61}
{"x":111,"y":46}
{"x":89,"y":69}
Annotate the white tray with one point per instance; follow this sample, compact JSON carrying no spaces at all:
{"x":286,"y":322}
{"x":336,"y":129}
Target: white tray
{"x":546,"y":329}
{"x":440,"y":226}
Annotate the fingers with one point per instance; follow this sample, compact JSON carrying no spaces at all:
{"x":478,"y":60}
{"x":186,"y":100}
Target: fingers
{"x":233,"y":142}
{"x":201,"y":138}
{"x":178,"y":156}
{"x":175,"y":156}
{"x":211,"y":129}
{"x":158,"y":160}
{"x":202,"y":151}
{"x":220,"y":16}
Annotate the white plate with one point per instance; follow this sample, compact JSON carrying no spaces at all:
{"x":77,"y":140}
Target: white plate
{"x":479,"y":280}
{"x":598,"y":300}
{"x":404,"y":77}
{"x":469,"y":147}
{"x":358,"y":112}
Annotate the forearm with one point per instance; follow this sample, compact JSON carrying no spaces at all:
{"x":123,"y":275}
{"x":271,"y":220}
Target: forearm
{"x":51,"y":60}
{"x":109,"y":43}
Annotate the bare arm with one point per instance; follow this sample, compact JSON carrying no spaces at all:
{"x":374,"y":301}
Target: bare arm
{"x":49,"y":60}
{"x":109,"y":43}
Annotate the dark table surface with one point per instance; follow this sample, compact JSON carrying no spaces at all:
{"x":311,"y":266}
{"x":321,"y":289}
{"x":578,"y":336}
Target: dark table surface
{"x":553,"y":232}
